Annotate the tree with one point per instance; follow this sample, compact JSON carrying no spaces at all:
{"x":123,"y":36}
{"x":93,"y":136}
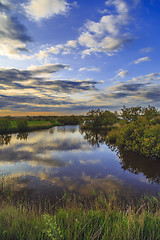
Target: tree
{"x":150,"y":112}
{"x":5,"y":125}
{"x":97,"y":118}
{"x":132,"y":113}
{"x":22,"y":126}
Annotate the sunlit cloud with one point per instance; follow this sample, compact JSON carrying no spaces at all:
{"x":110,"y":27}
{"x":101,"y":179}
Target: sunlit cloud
{"x":92,"y":69}
{"x":144,"y":59}
{"x":105,"y":35}
{"x":122,"y":73}
{"x":41,"y":9}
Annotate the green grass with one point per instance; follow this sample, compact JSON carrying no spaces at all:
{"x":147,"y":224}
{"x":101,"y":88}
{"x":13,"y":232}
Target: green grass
{"x":20,"y":223}
{"x":39,"y":123}
{"x":33,"y":125}
{"x":78,"y":218}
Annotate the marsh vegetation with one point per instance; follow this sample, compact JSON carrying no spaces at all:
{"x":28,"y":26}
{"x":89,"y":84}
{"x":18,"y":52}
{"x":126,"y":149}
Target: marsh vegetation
{"x":99,"y":181}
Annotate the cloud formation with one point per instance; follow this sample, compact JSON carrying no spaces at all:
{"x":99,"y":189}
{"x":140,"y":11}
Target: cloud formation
{"x":41,"y":9}
{"x":106,"y":35}
{"x":92,"y":69}
{"x":35,"y":90}
{"x":13,"y":34}
{"x":146,"y":50}
{"x":144,"y":59}
{"x":122,"y":73}
{"x":55,"y":50}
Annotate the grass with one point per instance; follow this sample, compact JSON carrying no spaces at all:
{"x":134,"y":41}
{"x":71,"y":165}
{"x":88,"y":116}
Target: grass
{"x":33,"y":125}
{"x":79,"y":218}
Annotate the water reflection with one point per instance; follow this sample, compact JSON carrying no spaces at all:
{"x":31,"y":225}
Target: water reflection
{"x":136,"y":164}
{"x":130,"y":161}
{"x":94,"y":138}
{"x":5,"y":139}
{"x":22,"y":136}
{"x":61,"y":159}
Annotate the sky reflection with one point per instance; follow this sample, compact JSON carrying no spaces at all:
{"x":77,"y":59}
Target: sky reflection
{"x":63,"y":159}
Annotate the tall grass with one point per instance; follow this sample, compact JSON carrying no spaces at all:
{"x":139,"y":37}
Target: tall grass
{"x":77,"y":218}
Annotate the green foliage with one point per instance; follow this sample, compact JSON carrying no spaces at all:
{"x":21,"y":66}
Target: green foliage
{"x":107,"y":219}
{"x":5,"y":125}
{"x":51,"y":230}
{"x":150,"y":112}
{"x":69,"y":120}
{"x":131,"y":114}
{"x":22,"y":126}
{"x":141,"y":133}
{"x":20,"y":224}
{"x":97,"y":118}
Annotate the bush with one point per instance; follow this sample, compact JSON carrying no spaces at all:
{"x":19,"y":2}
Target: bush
{"x":5,"y":125}
{"x":22,"y":126}
{"x":97,"y":119}
{"x":141,"y":133}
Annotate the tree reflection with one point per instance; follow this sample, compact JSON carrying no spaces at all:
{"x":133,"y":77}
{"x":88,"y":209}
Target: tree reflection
{"x":5,"y":139}
{"x":69,"y":128}
{"x":22,"y":136}
{"x":130,"y":161}
{"x":94,"y":138}
{"x":136,"y":164}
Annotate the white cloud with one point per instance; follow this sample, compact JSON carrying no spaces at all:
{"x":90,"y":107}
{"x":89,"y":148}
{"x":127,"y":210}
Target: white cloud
{"x":106,"y":35}
{"x":55,"y":50}
{"x":39,"y":9}
{"x":13,"y":37}
{"x":146,"y":50}
{"x":144,"y":59}
{"x":96,"y":37}
{"x":71,"y":44}
{"x":122,"y":73}
{"x":49,"y":68}
{"x":93,"y":69}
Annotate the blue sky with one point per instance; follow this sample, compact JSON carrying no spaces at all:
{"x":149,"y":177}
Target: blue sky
{"x":61,"y":56}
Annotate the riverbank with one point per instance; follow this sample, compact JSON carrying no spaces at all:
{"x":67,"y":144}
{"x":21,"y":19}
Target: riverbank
{"x":75,"y":218}
{"x":34,"y":125}
{"x":18,"y":126}
{"x":10,"y":124}
{"x":136,"y":129}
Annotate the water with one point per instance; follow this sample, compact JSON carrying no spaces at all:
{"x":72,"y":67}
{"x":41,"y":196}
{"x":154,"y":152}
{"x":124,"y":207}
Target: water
{"x":51,"y":162}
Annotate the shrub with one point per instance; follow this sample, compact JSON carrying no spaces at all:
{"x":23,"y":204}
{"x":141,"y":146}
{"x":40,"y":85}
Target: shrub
{"x":22,"y":126}
{"x":5,"y":125}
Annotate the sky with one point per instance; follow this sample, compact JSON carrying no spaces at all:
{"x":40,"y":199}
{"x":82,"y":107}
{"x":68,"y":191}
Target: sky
{"x":70,"y":56}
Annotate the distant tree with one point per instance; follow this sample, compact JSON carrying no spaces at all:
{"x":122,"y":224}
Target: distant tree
{"x":108,"y":118}
{"x":5,"y":125}
{"x":132,"y":113}
{"x":150,"y":112}
{"x":97,"y":118}
{"x":22,"y":126}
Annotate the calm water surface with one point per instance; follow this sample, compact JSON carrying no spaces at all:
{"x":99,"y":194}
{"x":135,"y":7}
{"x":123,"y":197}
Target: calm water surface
{"x":50,"y":162}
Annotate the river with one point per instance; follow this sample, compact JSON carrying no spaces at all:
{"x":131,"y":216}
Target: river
{"x":64,"y":159}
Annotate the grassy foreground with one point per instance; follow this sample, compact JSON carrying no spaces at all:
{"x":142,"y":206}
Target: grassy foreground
{"x":102,"y":218}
